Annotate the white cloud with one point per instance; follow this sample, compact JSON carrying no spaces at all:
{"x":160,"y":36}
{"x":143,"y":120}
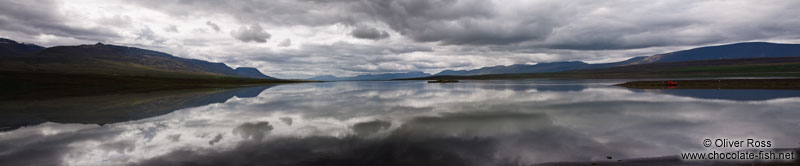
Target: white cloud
{"x":327,"y":37}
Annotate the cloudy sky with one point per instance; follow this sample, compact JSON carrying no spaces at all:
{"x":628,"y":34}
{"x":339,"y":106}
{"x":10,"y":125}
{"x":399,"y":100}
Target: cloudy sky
{"x":303,"y":38}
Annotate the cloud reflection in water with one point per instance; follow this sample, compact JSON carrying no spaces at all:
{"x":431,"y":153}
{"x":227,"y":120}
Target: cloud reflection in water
{"x":413,"y":123}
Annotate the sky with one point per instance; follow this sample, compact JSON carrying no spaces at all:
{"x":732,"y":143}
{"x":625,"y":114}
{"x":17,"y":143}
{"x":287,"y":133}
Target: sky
{"x":305,"y":38}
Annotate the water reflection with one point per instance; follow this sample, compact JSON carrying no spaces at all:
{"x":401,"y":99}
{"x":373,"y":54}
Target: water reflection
{"x":730,"y":94}
{"x":414,"y":123}
{"x":111,"y":108}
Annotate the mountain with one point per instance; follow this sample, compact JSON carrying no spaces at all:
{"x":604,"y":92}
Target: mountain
{"x":730,"y":51}
{"x":326,"y":78}
{"x":717,"y":68}
{"x":111,"y":60}
{"x":520,"y":68}
{"x":13,"y":48}
{"x":372,"y":77}
{"x":250,"y":72}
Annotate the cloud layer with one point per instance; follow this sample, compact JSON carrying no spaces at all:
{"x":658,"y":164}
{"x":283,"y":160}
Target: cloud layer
{"x":462,"y":34}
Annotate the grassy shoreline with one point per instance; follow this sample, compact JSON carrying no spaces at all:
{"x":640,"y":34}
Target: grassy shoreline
{"x":789,"y":84}
{"x":21,"y":85}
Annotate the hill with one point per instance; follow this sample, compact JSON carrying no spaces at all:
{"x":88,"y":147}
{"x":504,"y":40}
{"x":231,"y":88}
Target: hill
{"x":519,"y":68}
{"x":251,"y":73}
{"x":27,"y":70}
{"x":14,"y":48}
{"x":111,"y":60}
{"x":730,"y":51}
{"x":745,"y":67}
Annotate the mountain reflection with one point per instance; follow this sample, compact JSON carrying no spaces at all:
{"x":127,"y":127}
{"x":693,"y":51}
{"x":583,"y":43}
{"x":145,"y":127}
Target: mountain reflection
{"x":412,"y":123}
{"x":112,"y":108}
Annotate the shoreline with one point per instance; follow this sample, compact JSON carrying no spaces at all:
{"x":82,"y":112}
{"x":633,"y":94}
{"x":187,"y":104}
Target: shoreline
{"x":787,"y":84}
{"x":22,"y":85}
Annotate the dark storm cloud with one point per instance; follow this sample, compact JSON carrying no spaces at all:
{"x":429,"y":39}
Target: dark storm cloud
{"x":454,"y":22}
{"x":308,"y":13}
{"x":254,"y":33}
{"x":448,"y":21}
{"x":466,"y":34}
{"x":571,"y":25}
{"x":364,"y":32}
{"x":41,"y":17}
{"x":213,"y":26}
{"x":584,"y":25}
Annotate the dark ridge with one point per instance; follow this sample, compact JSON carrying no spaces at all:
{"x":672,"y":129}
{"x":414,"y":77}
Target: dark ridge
{"x":250,"y":72}
{"x":729,"y":51}
{"x":14,"y":48}
{"x":748,"y":67}
{"x":111,"y":60}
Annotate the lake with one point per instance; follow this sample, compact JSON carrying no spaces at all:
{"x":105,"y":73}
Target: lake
{"x":520,"y":122}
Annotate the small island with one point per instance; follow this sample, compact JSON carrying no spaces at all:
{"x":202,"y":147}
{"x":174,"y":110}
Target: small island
{"x":442,"y":81}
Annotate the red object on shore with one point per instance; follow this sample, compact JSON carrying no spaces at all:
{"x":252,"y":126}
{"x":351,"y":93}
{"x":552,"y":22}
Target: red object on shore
{"x":672,"y":82}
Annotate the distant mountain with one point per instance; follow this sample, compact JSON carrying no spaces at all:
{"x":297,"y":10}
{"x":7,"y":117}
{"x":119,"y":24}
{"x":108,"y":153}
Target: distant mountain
{"x":111,"y":59}
{"x":251,"y":73}
{"x":13,"y":48}
{"x":730,"y":51}
{"x":519,"y":68}
{"x":326,"y":78}
{"x":741,"y":65}
{"x":372,"y":77}
{"x":717,"y":68}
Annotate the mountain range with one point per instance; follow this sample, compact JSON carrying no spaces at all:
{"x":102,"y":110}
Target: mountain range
{"x":12,"y":48}
{"x":730,"y":51}
{"x":106,"y":59}
{"x":372,"y":77}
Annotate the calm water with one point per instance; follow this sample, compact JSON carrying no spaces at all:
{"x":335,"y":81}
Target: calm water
{"x":392,"y":123}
